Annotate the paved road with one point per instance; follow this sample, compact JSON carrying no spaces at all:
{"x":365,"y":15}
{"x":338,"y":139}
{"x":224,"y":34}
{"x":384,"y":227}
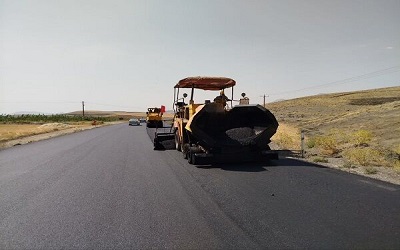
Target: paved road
{"x":107,"y":188}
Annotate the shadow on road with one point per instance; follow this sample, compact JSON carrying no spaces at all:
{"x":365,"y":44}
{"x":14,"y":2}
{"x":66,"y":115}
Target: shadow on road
{"x":292,"y":162}
{"x":260,"y":166}
{"x":238,"y":167}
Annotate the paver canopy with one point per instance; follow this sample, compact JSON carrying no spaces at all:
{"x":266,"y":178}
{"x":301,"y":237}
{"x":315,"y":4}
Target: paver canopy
{"x":206,"y":83}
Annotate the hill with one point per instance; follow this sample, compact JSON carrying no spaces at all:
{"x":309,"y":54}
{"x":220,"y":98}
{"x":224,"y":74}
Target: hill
{"x":341,"y":123}
{"x":376,"y":110}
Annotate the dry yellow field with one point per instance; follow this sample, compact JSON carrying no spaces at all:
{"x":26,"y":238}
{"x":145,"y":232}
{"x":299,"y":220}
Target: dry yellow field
{"x":16,"y":131}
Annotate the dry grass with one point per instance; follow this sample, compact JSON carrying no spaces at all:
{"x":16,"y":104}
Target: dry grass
{"x":376,"y":111}
{"x":363,"y":127}
{"x":16,"y":131}
{"x":364,"y":156}
{"x":320,"y":159}
{"x":287,"y":137}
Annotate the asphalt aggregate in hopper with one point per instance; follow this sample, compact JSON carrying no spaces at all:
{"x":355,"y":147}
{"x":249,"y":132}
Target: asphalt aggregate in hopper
{"x":242,"y":135}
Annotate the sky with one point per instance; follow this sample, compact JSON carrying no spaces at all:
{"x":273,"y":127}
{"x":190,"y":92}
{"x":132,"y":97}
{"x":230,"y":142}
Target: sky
{"x":128,"y":55}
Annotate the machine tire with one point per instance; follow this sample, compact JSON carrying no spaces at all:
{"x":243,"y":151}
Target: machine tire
{"x":178,"y":145}
{"x":185,"y":150}
{"x":192,"y":158}
{"x":156,"y":146}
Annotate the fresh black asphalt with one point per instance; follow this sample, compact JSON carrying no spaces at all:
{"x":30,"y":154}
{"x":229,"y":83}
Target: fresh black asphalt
{"x":107,"y":188}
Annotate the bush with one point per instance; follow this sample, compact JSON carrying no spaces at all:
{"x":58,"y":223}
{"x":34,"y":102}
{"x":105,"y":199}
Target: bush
{"x":396,"y":166}
{"x":348,"y":165}
{"x":311,"y":142}
{"x":285,"y":141}
{"x":370,"y":170}
{"x":397,"y":151}
{"x":320,"y":159}
{"x":361,"y":137}
{"x":328,"y":144}
{"x":363,"y":156}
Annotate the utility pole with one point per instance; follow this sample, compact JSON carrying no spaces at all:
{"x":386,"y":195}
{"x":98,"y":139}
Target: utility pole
{"x":83,"y":108}
{"x":264,"y":98}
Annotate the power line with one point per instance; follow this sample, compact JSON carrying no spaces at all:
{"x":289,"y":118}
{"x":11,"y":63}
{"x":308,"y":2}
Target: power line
{"x":347,"y":80}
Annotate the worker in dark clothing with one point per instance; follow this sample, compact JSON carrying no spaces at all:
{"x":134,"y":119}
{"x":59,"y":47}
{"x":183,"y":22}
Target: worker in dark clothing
{"x":222,"y":98}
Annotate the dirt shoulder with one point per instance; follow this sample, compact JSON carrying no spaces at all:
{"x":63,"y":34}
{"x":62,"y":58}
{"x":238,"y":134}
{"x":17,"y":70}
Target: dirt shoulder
{"x":289,"y":135}
{"x":48,"y":131}
{"x":382,"y":173}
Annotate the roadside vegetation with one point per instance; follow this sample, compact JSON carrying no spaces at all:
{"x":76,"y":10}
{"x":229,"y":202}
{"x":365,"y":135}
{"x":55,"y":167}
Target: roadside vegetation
{"x":19,"y":126}
{"x":41,"y":119}
{"x":361,"y":130}
{"x":354,"y":148}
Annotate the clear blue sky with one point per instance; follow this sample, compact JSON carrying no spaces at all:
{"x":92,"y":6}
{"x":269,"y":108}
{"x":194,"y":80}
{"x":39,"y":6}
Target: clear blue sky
{"x":127,"y":55}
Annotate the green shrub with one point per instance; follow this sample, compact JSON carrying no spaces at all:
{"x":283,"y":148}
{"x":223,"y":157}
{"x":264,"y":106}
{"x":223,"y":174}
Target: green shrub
{"x":370,"y":170}
{"x":328,"y":143}
{"x":396,"y":166}
{"x":320,"y":159}
{"x":311,"y":142}
{"x":285,"y":141}
{"x":363,"y":156}
{"x":361,"y":137}
{"x":396,"y":150}
{"x":348,"y":165}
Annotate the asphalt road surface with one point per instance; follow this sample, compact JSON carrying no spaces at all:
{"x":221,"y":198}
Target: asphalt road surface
{"x":107,"y":188}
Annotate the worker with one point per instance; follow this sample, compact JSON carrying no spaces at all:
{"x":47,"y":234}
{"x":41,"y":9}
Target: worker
{"x":222,"y":98}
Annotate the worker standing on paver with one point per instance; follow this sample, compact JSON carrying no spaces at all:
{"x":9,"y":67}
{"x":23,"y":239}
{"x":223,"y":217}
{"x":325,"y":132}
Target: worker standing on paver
{"x":222,"y":98}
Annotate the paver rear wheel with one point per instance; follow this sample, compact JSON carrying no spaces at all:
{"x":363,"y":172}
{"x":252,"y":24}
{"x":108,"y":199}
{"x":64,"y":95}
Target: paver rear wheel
{"x":192,"y":159}
{"x":191,"y":155}
{"x":185,"y":150}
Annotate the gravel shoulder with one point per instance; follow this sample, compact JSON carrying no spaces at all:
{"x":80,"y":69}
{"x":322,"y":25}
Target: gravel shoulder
{"x":383,"y":174}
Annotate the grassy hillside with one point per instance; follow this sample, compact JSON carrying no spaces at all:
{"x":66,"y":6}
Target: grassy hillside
{"x":366,"y":121}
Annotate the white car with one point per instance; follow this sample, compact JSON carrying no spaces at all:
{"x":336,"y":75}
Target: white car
{"x":134,"y":122}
